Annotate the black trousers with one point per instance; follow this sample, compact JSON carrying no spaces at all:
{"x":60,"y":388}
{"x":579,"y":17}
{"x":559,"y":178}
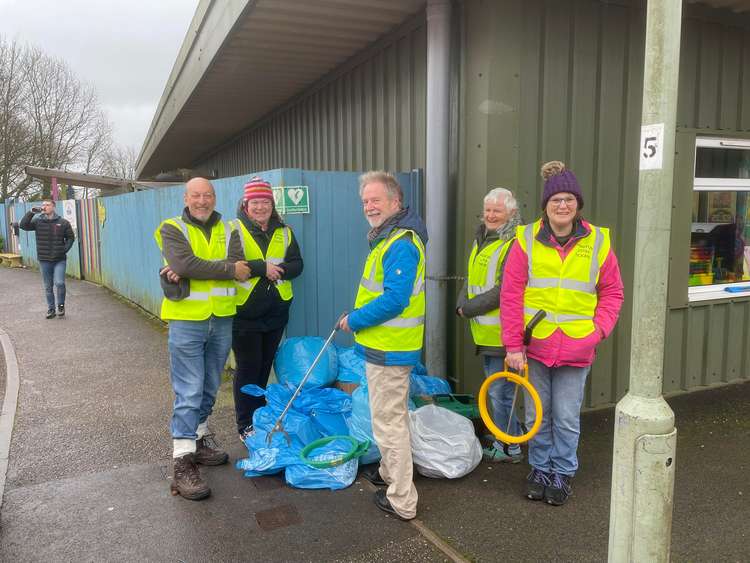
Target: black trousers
{"x":254,"y":352}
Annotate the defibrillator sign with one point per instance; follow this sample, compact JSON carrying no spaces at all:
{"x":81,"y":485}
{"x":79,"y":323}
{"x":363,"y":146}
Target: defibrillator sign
{"x":291,"y":199}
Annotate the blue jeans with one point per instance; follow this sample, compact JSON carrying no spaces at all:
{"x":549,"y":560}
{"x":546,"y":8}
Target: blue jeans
{"x":198,"y":351}
{"x":501,"y":397}
{"x":53,"y":274}
{"x":553,"y":449}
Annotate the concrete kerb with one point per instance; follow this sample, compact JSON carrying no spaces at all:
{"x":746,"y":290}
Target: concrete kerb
{"x":8,"y":413}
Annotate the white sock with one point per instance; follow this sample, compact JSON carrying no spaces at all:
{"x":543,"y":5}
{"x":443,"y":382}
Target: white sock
{"x":182,"y":446}
{"x":202,"y":429}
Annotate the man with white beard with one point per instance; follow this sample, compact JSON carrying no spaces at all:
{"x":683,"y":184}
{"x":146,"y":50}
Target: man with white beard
{"x":388,"y":327}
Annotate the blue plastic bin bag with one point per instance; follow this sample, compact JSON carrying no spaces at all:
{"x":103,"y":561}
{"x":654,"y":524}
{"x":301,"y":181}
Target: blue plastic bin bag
{"x":300,"y":427}
{"x":351,"y":366}
{"x":360,"y":424}
{"x":265,"y":459}
{"x":303,"y":476}
{"x":423,"y":384}
{"x":295,"y":356}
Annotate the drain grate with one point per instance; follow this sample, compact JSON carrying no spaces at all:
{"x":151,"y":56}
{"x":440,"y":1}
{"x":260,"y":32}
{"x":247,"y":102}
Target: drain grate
{"x":279,"y":517}
{"x":268,"y":483}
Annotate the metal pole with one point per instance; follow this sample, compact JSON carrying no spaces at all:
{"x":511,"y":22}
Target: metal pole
{"x":643,"y":465}
{"x":436,"y":179}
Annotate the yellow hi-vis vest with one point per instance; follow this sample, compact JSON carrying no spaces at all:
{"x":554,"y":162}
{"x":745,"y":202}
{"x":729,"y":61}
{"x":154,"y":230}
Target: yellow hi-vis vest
{"x":207,"y":297}
{"x":565,"y":289}
{"x":483,"y":271}
{"x":275,"y":253}
{"x":405,"y":332}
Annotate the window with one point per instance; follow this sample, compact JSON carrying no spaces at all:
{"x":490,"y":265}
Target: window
{"x":720,"y":228}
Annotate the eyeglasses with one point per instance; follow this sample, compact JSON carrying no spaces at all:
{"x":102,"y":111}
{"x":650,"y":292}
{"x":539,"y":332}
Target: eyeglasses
{"x":558,"y":201}
{"x":259,"y":203}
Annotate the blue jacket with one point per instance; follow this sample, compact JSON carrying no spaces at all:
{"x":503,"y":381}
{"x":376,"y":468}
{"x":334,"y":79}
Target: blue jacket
{"x":400,"y":264}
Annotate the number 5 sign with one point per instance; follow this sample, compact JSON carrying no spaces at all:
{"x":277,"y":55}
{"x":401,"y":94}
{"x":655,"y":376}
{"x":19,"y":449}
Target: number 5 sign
{"x":652,"y":146}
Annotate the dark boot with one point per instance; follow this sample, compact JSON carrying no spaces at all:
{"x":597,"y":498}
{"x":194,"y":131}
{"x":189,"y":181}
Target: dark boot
{"x":50,"y":314}
{"x":186,"y":479}
{"x":61,"y":310}
{"x":206,"y":452}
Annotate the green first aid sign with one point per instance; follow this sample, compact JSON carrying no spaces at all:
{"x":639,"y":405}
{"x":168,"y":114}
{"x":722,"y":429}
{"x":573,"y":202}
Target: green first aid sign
{"x":291,"y":199}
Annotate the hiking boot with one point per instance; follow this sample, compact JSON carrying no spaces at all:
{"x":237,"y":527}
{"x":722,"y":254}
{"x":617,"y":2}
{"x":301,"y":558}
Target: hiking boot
{"x":61,"y":310}
{"x":536,"y":484}
{"x":186,"y":479}
{"x":382,"y":502}
{"x":50,"y":314}
{"x":495,"y":455}
{"x":206,"y":452}
{"x":558,"y":491}
{"x":372,"y":474}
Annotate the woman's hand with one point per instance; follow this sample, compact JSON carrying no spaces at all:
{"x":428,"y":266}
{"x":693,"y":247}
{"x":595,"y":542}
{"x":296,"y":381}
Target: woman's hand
{"x":516,"y":360}
{"x":273,"y":272}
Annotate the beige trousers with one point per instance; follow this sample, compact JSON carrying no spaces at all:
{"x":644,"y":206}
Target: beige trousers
{"x":388,"y":387}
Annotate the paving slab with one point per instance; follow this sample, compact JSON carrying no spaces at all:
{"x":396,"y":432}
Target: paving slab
{"x":89,"y":462}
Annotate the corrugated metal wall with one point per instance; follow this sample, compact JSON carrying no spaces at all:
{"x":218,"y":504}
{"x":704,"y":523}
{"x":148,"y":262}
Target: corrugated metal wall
{"x":548,"y":80}
{"x":368,"y":114}
{"x":332,"y":238}
{"x":3,"y":228}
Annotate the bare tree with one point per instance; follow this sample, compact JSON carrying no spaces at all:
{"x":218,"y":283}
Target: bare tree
{"x":48,"y":118}
{"x":121,"y":162}
{"x":16,"y":137}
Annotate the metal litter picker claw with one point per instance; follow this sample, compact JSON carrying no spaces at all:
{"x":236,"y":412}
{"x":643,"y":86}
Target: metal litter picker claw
{"x":279,"y":425}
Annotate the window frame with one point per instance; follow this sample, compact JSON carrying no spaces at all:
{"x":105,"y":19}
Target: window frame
{"x":705,"y":139}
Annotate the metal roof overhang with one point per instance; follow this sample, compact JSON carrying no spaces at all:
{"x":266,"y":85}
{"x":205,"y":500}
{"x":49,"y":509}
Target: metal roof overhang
{"x":242,"y":58}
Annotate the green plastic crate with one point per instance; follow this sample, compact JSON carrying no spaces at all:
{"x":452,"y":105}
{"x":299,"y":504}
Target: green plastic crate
{"x":461,"y":404}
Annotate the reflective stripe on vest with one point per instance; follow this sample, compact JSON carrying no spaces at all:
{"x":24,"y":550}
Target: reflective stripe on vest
{"x":484,"y":266}
{"x":207,"y":297}
{"x":275,"y":253}
{"x":406,"y":331}
{"x":565,"y":289}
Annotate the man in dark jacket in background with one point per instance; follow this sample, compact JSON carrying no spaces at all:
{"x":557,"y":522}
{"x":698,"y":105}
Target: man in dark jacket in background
{"x":54,"y":237}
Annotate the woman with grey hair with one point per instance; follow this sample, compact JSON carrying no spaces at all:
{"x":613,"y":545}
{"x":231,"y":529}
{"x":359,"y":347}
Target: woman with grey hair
{"x":479,"y":302}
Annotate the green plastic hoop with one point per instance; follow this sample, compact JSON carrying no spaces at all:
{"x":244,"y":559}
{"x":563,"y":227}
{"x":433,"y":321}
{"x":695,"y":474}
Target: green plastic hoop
{"x":358,"y":449}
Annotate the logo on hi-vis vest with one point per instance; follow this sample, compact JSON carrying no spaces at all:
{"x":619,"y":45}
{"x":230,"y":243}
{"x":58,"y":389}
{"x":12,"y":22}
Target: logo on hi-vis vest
{"x":583,"y":251}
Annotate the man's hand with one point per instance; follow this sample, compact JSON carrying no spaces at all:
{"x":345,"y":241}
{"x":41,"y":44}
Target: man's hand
{"x":171,"y":276}
{"x":516,"y":360}
{"x":274,"y":272}
{"x":241,"y":270}
{"x":344,"y":324}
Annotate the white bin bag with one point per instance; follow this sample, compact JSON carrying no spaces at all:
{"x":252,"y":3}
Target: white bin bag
{"x":443,"y":443}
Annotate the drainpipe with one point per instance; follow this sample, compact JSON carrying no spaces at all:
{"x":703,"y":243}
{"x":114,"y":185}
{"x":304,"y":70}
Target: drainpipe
{"x":436,"y":179}
{"x":640,"y":518}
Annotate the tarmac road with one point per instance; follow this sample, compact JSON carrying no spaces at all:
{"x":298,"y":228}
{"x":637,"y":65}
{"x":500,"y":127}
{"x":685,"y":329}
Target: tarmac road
{"x":90,"y":455}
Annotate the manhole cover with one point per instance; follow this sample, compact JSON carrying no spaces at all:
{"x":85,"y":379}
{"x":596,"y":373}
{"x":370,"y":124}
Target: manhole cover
{"x":267,"y":483}
{"x":279,"y":517}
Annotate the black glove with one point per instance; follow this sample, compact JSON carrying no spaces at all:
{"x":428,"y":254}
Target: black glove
{"x":36,"y":209}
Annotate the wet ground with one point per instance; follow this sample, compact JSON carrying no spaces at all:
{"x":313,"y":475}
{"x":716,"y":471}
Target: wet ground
{"x":90,"y":455}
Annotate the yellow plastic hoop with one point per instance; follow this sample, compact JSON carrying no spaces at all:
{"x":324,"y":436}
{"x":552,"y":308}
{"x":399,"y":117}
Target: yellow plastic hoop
{"x":523,"y":381}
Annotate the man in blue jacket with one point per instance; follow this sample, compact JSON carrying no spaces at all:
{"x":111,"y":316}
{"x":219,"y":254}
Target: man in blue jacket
{"x":388,"y":326}
{"x":54,"y":237}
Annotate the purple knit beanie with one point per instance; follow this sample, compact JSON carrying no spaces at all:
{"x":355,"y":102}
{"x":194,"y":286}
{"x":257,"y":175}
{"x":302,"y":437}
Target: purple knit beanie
{"x":559,"y":179}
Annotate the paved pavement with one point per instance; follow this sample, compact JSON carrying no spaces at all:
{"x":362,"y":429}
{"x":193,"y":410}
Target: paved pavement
{"x":90,"y":454}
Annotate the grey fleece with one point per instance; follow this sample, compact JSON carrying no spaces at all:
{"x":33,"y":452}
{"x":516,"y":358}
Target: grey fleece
{"x":179,"y":255}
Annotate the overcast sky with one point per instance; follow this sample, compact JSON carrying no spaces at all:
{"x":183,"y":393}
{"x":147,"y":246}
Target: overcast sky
{"x":124,"y":48}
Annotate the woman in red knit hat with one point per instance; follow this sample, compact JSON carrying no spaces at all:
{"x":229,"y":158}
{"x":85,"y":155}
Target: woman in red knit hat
{"x":263,"y":302}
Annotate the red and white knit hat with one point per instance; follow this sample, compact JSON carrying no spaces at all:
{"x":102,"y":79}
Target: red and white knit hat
{"x":258,"y":188}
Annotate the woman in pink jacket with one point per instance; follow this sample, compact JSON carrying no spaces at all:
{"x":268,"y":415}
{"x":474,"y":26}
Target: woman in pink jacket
{"x":565,"y":266}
